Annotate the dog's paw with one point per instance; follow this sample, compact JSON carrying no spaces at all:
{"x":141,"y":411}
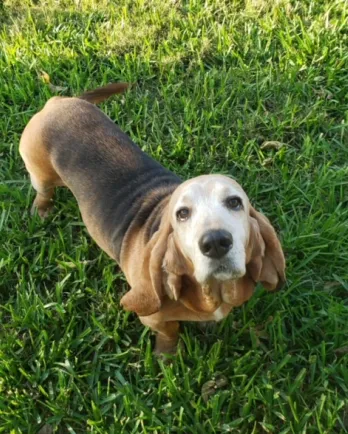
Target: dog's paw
{"x":42,"y":212}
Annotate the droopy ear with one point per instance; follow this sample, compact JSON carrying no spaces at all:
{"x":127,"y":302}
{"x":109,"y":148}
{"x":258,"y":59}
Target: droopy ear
{"x":180,"y":282}
{"x":145,"y":297}
{"x":237,"y":292}
{"x":175,"y":266}
{"x":266,"y":263}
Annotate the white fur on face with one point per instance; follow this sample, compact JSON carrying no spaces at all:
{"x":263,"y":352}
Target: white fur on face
{"x":205,"y":197}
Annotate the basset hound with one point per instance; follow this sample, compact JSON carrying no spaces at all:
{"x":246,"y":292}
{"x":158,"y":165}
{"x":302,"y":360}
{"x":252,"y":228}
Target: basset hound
{"x":191,"y":251}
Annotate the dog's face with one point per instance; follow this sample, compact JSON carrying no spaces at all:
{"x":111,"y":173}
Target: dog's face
{"x":212,"y":246}
{"x":210,"y":221}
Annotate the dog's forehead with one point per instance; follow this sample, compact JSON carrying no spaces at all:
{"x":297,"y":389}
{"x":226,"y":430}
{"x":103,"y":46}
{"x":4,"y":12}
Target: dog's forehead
{"x":209,"y":186}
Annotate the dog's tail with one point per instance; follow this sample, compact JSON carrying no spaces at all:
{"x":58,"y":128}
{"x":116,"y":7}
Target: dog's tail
{"x":100,"y":94}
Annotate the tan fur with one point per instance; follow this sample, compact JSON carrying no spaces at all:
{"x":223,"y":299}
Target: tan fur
{"x":142,"y":264}
{"x":175,"y":266}
{"x":266,"y":264}
{"x":37,"y":162}
{"x":181,"y":284}
{"x":96,"y":96}
{"x":163,"y":290}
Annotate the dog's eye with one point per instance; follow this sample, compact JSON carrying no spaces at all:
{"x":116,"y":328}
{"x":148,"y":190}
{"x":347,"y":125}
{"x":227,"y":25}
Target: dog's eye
{"x":183,"y":214}
{"x":234,"y":203}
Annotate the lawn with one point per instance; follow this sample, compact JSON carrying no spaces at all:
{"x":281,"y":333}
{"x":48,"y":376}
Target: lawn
{"x":256,"y":89}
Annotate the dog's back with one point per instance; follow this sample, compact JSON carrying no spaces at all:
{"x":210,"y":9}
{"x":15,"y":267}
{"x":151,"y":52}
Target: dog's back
{"x":73,"y":143}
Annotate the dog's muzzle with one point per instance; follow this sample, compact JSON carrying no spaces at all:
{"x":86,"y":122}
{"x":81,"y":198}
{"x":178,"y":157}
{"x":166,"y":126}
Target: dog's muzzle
{"x":215,"y":243}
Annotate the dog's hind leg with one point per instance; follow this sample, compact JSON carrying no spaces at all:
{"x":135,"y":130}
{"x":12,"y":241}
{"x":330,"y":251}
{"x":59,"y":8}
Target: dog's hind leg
{"x":43,"y":201}
{"x":43,"y":176}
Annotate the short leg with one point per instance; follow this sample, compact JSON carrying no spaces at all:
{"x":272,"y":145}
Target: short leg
{"x":34,"y":150}
{"x":167,"y":339}
{"x":43,"y":202}
{"x":167,"y":335}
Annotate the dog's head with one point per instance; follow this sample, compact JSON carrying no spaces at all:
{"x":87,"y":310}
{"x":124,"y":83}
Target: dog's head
{"x":212,"y":246}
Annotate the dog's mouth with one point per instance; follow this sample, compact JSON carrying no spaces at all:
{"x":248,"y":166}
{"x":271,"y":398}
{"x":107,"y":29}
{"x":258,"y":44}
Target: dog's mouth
{"x":227,"y":271}
{"x":222,"y":268}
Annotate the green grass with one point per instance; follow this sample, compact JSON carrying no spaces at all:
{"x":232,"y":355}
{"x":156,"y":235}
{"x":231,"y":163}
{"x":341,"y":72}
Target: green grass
{"x":214,"y":81}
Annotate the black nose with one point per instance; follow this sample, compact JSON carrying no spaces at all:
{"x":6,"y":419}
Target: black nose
{"x":215,"y":244}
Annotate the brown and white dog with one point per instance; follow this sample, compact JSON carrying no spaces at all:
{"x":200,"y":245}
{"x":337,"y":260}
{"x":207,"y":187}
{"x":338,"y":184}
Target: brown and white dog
{"x":191,"y":251}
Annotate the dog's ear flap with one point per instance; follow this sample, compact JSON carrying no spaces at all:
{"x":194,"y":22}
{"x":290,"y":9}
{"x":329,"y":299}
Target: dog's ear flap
{"x":145,"y":297}
{"x":255,"y":250}
{"x":175,"y":266}
{"x":238,"y":292}
{"x":265,"y":258}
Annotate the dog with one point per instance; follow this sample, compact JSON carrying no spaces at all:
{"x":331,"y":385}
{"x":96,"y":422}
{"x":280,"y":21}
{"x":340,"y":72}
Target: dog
{"x":190,"y":251}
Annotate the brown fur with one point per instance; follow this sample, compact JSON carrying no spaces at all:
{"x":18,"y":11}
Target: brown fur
{"x":266,"y":264}
{"x":54,"y":147}
{"x":100,"y":94}
{"x":145,"y":277}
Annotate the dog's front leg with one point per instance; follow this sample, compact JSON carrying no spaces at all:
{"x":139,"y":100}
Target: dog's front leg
{"x":167,"y":334}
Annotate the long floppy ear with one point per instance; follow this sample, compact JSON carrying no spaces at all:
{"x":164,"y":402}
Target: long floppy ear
{"x":266,"y":262}
{"x":175,"y":266}
{"x":237,"y":292}
{"x":145,"y":297}
{"x":180,"y":282}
